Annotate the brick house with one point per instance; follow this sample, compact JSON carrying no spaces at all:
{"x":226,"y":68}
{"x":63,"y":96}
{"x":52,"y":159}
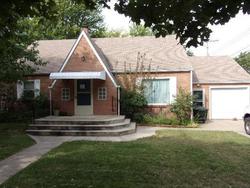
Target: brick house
{"x":84,"y":76}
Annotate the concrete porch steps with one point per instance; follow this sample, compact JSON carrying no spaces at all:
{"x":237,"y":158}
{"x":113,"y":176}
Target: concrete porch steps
{"x":115,"y":132}
{"x":111,"y":126}
{"x":79,"y":120}
{"x":82,"y":126}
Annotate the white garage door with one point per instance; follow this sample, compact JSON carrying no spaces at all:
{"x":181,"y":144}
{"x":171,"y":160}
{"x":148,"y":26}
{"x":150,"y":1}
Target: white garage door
{"x":229,"y":103}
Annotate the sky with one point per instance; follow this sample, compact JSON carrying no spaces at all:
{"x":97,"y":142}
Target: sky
{"x":229,"y":39}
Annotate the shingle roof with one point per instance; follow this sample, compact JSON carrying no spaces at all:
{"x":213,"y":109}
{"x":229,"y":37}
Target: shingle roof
{"x":220,"y":69}
{"x":162,"y":54}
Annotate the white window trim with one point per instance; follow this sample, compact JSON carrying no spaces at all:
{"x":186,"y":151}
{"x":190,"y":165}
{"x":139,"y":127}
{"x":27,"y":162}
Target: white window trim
{"x":203,"y":95}
{"x":62,"y":89}
{"x":172,"y":88}
{"x":21,"y":89}
{"x":106,"y":93}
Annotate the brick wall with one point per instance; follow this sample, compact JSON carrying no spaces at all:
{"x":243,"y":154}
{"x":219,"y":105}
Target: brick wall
{"x":182,"y":80}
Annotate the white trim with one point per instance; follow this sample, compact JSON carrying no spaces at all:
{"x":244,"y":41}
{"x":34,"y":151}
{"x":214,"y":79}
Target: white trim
{"x":62,"y":89}
{"x":83,"y":34}
{"x":71,"y":52}
{"x":78,"y":75}
{"x":106,"y":93}
{"x":100,"y":60}
{"x":76,"y":112}
{"x":222,"y":87}
{"x":172,"y":88}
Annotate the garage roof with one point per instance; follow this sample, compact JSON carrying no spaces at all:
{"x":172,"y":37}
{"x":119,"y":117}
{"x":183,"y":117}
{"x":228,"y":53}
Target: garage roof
{"x":218,"y":69}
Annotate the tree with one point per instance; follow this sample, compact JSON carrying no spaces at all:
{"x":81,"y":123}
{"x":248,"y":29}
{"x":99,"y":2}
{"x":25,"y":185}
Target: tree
{"x":244,"y":60}
{"x":139,"y":30}
{"x":71,"y":18}
{"x":14,"y":51}
{"x":17,"y":46}
{"x":188,"y":19}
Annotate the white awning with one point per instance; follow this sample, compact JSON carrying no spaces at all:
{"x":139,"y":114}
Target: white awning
{"x":77,"y":75}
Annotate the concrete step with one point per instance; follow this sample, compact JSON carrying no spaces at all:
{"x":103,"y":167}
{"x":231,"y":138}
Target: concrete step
{"x":74,"y":120}
{"x":116,"y":132}
{"x":125,"y":123}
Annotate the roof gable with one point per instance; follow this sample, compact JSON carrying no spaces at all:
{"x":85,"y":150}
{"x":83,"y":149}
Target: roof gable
{"x":83,"y":48}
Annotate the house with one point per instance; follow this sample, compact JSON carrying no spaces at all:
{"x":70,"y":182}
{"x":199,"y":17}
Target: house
{"x":84,"y":76}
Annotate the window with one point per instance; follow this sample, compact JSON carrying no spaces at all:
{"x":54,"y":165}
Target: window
{"x":198,"y":98}
{"x":29,"y":89}
{"x":65,"y":94}
{"x":157,"y":91}
{"x":102,"y":93}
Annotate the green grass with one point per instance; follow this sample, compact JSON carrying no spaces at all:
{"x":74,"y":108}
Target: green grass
{"x":13,"y":139}
{"x":170,"y":159}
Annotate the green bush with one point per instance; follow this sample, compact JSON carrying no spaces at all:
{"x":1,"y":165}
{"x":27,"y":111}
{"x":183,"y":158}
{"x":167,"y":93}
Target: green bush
{"x":182,"y":107}
{"x":159,"y":120}
{"x":26,"y":109}
{"x":132,"y":104}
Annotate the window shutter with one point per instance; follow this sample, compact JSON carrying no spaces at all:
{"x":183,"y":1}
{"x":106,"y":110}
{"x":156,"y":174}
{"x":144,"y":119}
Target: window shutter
{"x":37,"y":87}
{"x":19,"y":89}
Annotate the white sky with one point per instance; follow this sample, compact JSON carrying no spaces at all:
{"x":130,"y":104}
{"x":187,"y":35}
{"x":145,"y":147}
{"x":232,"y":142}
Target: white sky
{"x":231,"y":38}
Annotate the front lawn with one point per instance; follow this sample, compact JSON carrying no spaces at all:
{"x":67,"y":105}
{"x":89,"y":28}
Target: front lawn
{"x":170,"y":159}
{"x":13,"y":139}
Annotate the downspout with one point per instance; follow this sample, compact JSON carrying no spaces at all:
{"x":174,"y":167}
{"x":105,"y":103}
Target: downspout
{"x":191,"y":90}
{"x":118,"y":100}
{"x":50,"y":96}
{"x":50,"y":101}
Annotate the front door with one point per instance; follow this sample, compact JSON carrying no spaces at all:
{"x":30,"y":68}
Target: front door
{"x":83,"y":98}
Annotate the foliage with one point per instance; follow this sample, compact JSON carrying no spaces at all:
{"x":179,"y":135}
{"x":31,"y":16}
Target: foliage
{"x":14,"y":41}
{"x":132,"y":104}
{"x":182,"y":107}
{"x":13,"y":139}
{"x":171,"y":158}
{"x":130,"y":79}
{"x":18,"y":46}
{"x":113,"y":33}
{"x":159,"y":119}
{"x":188,"y":19}
{"x":70,"y":19}
{"x":139,"y":30}
{"x":190,"y":53}
{"x":244,"y":60}
{"x":25,"y":109}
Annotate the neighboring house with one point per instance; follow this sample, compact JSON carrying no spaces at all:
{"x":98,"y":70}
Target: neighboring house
{"x":83,"y":76}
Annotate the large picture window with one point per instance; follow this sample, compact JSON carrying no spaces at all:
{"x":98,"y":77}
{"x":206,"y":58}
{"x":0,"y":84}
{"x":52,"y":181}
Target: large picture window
{"x":157,"y":91}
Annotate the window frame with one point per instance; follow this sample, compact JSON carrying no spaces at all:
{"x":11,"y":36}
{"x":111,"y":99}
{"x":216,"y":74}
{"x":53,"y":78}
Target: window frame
{"x":63,"y":92}
{"x":203,"y":95}
{"x":105,"y":93}
{"x":161,"y":78}
{"x":33,"y":90}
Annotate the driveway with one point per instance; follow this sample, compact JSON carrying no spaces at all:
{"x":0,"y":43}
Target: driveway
{"x":225,"y":125}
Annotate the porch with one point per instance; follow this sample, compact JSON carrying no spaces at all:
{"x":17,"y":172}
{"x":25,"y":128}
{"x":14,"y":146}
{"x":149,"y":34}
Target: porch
{"x":92,"y":125}
{"x":83,"y":93}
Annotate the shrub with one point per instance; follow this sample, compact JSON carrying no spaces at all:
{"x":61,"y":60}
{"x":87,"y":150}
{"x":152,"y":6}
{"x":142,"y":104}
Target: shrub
{"x":182,"y":107}
{"x":132,"y":104}
{"x":159,"y":120}
{"x":26,"y":109}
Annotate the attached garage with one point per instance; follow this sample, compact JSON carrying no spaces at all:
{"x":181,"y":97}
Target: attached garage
{"x":228,"y":102}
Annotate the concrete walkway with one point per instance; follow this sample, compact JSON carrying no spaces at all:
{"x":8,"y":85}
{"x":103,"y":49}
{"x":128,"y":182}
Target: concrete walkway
{"x":18,"y":161}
